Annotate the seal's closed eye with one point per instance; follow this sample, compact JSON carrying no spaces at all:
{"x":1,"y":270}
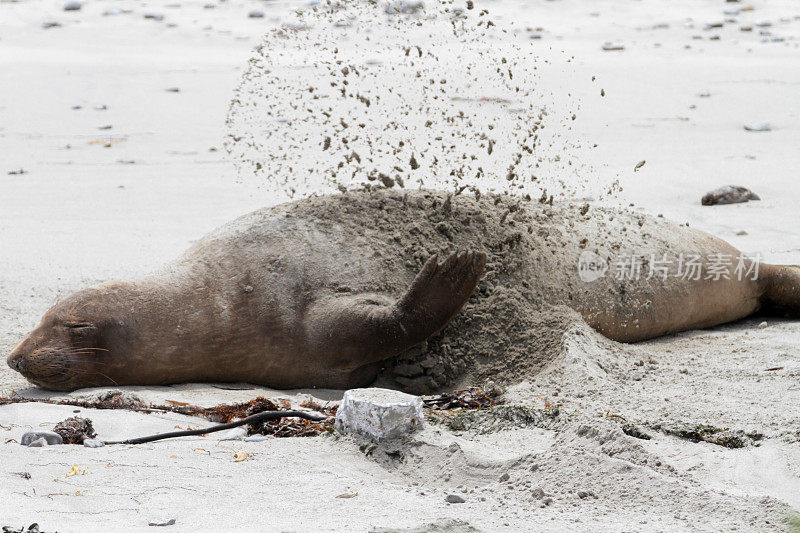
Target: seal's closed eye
{"x":79,"y":326}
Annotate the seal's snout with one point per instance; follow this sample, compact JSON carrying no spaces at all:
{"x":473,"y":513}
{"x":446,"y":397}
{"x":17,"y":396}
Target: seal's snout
{"x":16,"y":359}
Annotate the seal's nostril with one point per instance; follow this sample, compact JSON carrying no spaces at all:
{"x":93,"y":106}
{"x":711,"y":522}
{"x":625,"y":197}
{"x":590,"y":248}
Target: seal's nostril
{"x":16,"y":364}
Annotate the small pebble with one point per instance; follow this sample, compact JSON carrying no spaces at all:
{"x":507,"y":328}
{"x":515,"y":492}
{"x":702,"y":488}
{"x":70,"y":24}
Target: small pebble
{"x":454,"y":498}
{"x":256,"y":14}
{"x":763,"y":126}
{"x":73,"y":6}
{"x":93,"y":443}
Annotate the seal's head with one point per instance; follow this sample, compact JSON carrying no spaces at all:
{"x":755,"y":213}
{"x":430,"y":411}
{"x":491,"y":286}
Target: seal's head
{"x":67,"y":350}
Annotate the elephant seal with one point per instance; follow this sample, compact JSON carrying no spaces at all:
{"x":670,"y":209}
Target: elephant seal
{"x":323,"y":291}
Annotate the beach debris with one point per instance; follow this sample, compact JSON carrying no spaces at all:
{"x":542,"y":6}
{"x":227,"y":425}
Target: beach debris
{"x":75,"y":471}
{"x":611,"y":47}
{"x":49,"y":438}
{"x":730,"y":194}
{"x":73,"y":6}
{"x":346,"y":495}
{"x":93,"y":443}
{"x":33,"y":528}
{"x":154,"y":16}
{"x":774,"y":368}
{"x":17,"y":172}
{"x":639,"y":165}
{"x":318,"y":420}
{"x":724,"y":437}
{"x":240,"y":456}
{"x":379,"y":414}
{"x":75,"y":430}
{"x":762,"y":126}
{"x":162,"y":522}
{"x":632,"y":430}
{"x":256,"y":14}
{"x":23,"y":475}
{"x":471,"y":398}
{"x":50,"y":24}
{"x":255,"y":419}
{"x":173,"y":89}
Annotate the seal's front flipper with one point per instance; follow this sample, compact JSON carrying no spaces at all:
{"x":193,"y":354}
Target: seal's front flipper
{"x":351,"y":331}
{"x":438,"y":292}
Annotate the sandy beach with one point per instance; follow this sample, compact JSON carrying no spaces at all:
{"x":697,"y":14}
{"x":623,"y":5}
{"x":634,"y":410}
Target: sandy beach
{"x":113,"y":160}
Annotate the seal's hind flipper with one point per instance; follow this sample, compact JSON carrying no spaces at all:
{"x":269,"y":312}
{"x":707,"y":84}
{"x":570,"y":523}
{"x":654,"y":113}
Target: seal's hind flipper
{"x":347,"y":332}
{"x":782,"y":290}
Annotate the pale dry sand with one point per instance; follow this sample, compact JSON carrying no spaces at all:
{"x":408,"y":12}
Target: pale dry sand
{"x":67,"y":223}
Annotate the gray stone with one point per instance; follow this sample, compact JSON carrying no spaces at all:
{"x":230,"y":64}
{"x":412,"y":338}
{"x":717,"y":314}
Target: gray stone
{"x":730,"y":194}
{"x":73,"y":6}
{"x":454,"y":498}
{"x":256,"y":14}
{"x":48,"y":436}
{"x":38,"y":443}
{"x":93,"y":443}
{"x":379,"y":414}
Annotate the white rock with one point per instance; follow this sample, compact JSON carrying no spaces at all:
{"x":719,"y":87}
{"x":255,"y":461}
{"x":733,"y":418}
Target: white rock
{"x":234,"y":434}
{"x":379,"y":413}
{"x":93,"y":443}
